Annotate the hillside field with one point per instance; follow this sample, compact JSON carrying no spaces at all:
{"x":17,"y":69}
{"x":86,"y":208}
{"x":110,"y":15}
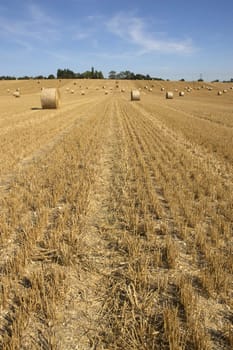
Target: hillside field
{"x":116,"y":216}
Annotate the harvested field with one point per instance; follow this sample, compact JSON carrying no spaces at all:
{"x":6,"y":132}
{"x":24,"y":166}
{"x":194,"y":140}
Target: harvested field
{"x":116,"y":217}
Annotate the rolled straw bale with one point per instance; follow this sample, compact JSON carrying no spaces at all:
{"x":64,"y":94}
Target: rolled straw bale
{"x":106,"y":92}
{"x":122,"y":90}
{"x":150,"y":90}
{"x":72,"y":91}
{"x":82,"y":92}
{"x":225,"y":90}
{"x":169,"y":94}
{"x":50,"y":98}
{"x":162,"y":89}
{"x":219,"y":93}
{"x":8,"y":90}
{"x":16,"y":94}
{"x":181,"y":93}
{"x":135,"y":95}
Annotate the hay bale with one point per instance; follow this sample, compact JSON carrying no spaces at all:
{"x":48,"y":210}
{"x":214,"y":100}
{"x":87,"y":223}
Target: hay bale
{"x":150,"y":90}
{"x":16,"y":94}
{"x":50,"y":98}
{"x":181,"y":93}
{"x":122,"y":90}
{"x":82,"y":92}
{"x":225,"y":91}
{"x":72,"y":91}
{"x":169,"y":94}
{"x":135,"y":95}
{"x":8,"y":90}
{"x":106,"y":92}
{"x":162,"y":89}
{"x":219,"y":93}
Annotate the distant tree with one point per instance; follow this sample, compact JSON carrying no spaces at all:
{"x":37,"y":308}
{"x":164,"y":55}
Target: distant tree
{"x":65,"y":74}
{"x":182,"y":79}
{"x":112,"y":74}
{"x":7,"y":77}
{"x":39,"y":77}
{"x":51,"y":76}
{"x":200,"y":80}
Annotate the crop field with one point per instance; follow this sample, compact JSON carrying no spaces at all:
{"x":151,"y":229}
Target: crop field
{"x":116,"y":216}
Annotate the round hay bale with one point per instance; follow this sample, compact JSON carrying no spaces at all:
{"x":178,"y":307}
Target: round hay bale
{"x":8,"y":90}
{"x":16,"y":94}
{"x":162,"y":89}
{"x":17,"y":89}
{"x":181,"y":93}
{"x":176,"y":90}
{"x":122,"y":90}
{"x":150,"y":90}
{"x":225,"y":91}
{"x":106,"y":92}
{"x":169,"y":94}
{"x":50,"y":98}
{"x":72,"y":91}
{"x":135,"y":95}
{"x":82,"y":92}
{"x":219,"y":93}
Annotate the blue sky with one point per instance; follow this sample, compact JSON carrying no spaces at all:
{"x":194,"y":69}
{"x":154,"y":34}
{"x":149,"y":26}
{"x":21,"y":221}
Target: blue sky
{"x":171,"y":39}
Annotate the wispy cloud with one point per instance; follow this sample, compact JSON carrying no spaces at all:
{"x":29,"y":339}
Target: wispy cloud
{"x":134,"y":30}
{"x":35,"y":27}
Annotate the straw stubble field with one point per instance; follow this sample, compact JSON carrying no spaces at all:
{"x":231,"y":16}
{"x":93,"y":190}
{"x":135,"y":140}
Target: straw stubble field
{"x":116,"y":217}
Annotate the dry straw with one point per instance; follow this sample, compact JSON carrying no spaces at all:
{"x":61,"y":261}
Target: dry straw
{"x":50,"y":98}
{"x":169,"y":94}
{"x":135,"y":95}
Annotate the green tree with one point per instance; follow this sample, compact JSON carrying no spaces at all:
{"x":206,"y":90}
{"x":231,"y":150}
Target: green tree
{"x":112,"y":74}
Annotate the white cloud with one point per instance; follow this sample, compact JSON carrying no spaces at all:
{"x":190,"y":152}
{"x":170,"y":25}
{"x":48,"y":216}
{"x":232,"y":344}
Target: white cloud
{"x":35,"y":27}
{"x":134,"y":30}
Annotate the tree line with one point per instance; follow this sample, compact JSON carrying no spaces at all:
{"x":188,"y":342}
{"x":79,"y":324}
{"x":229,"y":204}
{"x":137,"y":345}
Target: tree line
{"x":95,"y":74}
